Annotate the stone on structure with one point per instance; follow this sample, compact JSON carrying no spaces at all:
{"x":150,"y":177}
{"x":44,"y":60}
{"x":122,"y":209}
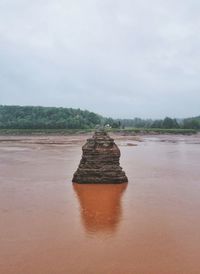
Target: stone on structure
{"x":100,"y":162}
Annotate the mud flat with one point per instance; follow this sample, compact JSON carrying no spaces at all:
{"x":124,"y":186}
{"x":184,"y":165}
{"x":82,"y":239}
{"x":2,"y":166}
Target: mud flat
{"x":149,"y":226}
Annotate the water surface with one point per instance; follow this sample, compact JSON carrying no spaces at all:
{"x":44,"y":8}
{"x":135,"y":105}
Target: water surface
{"x":149,"y":226}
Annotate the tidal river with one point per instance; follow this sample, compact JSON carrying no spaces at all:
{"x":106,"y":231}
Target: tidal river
{"x":149,"y":226}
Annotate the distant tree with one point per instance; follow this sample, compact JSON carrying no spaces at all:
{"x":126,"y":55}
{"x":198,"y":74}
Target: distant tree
{"x":157,"y":124}
{"x":46,"y":117}
{"x":192,"y":123}
{"x":31,"y":117}
{"x":170,"y":123}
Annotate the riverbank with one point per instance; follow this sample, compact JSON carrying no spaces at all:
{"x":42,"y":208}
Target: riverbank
{"x":126,"y":132}
{"x":80,"y":139}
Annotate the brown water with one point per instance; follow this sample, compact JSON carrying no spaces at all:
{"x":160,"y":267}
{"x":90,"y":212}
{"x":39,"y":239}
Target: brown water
{"x":149,"y":226}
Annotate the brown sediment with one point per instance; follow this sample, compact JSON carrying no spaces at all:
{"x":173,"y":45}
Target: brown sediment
{"x":100,"y":205}
{"x":50,"y":226}
{"x":131,"y":144}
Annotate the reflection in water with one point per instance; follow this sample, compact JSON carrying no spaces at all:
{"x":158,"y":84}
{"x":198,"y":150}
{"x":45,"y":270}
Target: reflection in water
{"x":100,"y":206}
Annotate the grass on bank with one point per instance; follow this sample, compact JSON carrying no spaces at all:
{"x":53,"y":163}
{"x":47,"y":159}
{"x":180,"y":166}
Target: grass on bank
{"x":43,"y":131}
{"x":127,"y":131}
{"x":156,"y":131}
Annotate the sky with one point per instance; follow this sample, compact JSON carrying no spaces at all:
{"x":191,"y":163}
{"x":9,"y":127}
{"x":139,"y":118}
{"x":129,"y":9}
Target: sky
{"x":119,"y":58}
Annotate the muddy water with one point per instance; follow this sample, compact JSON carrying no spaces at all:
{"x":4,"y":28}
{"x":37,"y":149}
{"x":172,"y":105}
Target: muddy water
{"x":149,"y":226}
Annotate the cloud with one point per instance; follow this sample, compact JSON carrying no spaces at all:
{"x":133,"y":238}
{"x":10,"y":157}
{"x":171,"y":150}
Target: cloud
{"x":118,"y":58}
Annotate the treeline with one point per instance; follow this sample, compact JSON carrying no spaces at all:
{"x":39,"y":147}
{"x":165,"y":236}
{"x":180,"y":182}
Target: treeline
{"x":167,"y":123}
{"x":31,"y":117}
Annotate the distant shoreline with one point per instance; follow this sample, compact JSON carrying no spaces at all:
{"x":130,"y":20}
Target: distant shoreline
{"x":126,"y":132}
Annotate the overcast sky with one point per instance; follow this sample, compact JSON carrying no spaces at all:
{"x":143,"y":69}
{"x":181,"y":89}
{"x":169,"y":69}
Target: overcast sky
{"x":119,"y":58}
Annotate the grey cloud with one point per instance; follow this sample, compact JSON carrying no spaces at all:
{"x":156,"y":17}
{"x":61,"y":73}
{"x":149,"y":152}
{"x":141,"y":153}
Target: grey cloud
{"x":118,"y":58}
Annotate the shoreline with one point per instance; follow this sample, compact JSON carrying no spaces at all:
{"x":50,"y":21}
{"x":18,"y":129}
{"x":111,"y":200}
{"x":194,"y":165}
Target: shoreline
{"x":80,"y":139}
{"x":121,"y":132}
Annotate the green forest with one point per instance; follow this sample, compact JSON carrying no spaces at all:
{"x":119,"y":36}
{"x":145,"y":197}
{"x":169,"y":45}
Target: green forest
{"x":33,"y":117}
{"x":36,"y":117}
